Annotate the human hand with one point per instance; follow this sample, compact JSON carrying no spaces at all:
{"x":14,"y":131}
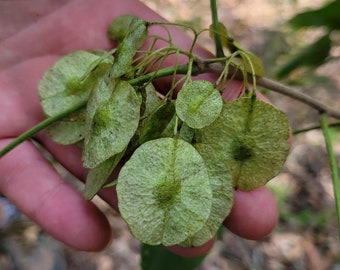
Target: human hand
{"x":29,"y":181}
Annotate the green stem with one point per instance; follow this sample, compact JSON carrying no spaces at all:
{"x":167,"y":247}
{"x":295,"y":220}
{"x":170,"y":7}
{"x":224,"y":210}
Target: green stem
{"x":333,"y":163}
{"x":37,"y":128}
{"x":180,"y":69}
{"x":215,"y":25}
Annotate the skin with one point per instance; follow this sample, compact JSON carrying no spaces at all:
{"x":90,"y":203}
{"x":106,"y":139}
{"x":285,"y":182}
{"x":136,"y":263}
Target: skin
{"x":27,"y":179}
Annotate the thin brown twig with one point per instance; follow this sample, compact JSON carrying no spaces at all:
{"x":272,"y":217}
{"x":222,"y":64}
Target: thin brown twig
{"x":218,"y":67}
{"x":296,"y":94}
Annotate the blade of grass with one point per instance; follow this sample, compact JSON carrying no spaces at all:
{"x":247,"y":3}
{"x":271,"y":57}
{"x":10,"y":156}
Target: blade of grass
{"x":333,"y":163}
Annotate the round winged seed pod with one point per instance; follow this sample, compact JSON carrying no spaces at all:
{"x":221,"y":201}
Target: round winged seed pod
{"x":164,"y":192}
{"x":113,"y":125}
{"x":252,"y":139}
{"x":68,"y":83}
{"x":222,"y":196}
{"x":61,"y":86}
{"x":198,"y":103}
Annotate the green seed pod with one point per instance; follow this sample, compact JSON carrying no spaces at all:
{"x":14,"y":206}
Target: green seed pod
{"x":67,"y":83}
{"x":98,"y":176}
{"x":151,"y":100}
{"x":164,"y":193}
{"x":198,"y":103}
{"x":127,"y":49}
{"x":222,"y":196}
{"x":155,"y":124}
{"x":119,"y":27}
{"x":113,"y":125}
{"x":251,"y":138}
{"x":62,"y":87}
{"x":186,"y":133}
{"x":69,"y":130}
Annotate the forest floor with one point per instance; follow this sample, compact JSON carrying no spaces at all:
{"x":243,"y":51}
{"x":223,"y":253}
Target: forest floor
{"x":307,"y":234}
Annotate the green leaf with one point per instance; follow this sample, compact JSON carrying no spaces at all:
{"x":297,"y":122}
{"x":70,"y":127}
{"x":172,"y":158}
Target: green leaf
{"x":98,"y":176}
{"x":164,"y":192}
{"x":222,"y":192}
{"x":256,"y":63}
{"x":312,"y":55}
{"x":113,"y":125}
{"x":61,"y":86}
{"x":157,"y":257}
{"x":328,"y":16}
{"x":155,"y":124}
{"x":198,"y":103}
{"x":226,"y":39}
{"x":251,"y":138}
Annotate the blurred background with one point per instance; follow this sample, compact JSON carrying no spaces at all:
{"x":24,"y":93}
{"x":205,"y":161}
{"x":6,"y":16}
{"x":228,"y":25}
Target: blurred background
{"x":305,"y":54}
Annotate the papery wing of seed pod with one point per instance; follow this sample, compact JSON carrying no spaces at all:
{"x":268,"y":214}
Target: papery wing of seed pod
{"x":65,"y":84}
{"x":198,"y":103}
{"x":222,"y":195}
{"x":69,"y":130}
{"x":155,"y":124}
{"x":169,"y":130}
{"x":99,"y":95}
{"x":186,"y":133}
{"x":149,"y":104}
{"x":113,"y":125}
{"x":251,"y":136}
{"x":98,"y":176}
{"x":119,"y":27}
{"x":127,"y":49}
{"x":151,"y":100}
{"x":164,"y":192}
{"x":61,"y":88}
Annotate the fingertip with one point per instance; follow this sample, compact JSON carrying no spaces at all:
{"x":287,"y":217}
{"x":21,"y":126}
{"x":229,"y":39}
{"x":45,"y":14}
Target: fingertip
{"x":92,"y":232}
{"x":70,"y":219}
{"x":254,"y":214}
{"x":192,"y":252}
